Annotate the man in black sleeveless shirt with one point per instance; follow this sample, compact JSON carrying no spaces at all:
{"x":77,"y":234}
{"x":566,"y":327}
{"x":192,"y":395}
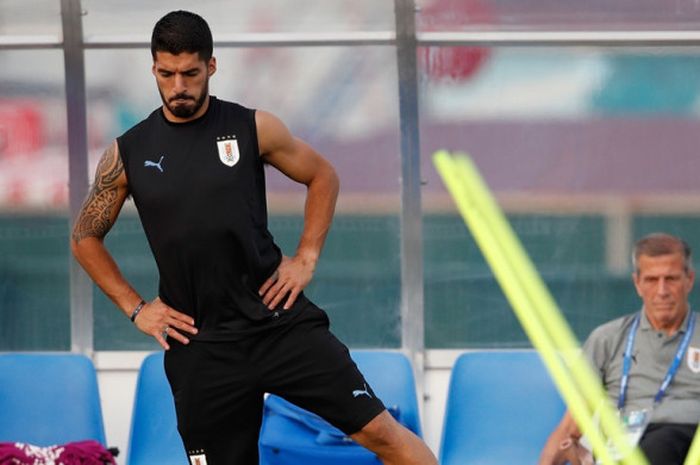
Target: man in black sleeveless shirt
{"x":230,"y":310}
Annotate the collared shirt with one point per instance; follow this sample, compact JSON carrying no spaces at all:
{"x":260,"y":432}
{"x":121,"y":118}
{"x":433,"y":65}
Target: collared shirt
{"x":651,"y":357}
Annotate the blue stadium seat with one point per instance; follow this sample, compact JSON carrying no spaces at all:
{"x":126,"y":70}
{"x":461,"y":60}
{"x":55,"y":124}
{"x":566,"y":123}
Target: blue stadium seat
{"x":49,"y":399}
{"x":154,"y":439}
{"x":501,"y":407}
{"x":284,"y":441}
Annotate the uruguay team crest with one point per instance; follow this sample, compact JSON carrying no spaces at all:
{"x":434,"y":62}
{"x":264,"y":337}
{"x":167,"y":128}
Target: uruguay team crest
{"x":694,"y":359}
{"x":228,"y":150}
{"x":197,"y":457}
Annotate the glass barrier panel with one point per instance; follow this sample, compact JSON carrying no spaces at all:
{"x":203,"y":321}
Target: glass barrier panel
{"x":136,"y":18}
{"x":341,"y":100}
{"x":559,"y":15}
{"x":31,"y":19}
{"x":34,"y":224}
{"x":576,"y":144}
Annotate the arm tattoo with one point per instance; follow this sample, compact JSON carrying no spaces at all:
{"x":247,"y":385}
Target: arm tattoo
{"x":95,"y":218}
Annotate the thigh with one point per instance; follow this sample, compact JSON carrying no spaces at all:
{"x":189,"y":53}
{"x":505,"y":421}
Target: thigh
{"x":667,"y":443}
{"x":307,"y":365}
{"x":219,"y":409}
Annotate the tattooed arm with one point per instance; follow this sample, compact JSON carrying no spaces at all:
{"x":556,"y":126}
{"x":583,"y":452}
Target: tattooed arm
{"x":97,"y":215}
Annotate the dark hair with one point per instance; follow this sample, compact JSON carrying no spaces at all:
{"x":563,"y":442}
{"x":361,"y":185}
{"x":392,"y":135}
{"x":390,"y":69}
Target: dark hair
{"x":657,"y":244}
{"x":182,"y":31}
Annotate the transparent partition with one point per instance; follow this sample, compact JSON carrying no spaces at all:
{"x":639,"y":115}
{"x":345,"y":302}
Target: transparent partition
{"x":40,"y":20}
{"x":563,"y":15}
{"x":343,"y":101}
{"x":585,"y":149}
{"x":34,"y":291}
{"x":136,"y":18}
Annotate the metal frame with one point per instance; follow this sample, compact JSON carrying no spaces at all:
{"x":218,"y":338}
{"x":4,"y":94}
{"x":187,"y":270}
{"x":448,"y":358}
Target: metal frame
{"x":411,"y":222}
{"x":76,"y":107}
{"x":74,"y":45}
{"x":602,"y":38}
{"x":29,"y":42}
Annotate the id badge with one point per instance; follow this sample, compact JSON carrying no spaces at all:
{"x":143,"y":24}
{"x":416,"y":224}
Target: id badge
{"x":635,"y":423}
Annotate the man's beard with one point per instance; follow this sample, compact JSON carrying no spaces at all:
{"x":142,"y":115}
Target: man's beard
{"x":185,"y":110}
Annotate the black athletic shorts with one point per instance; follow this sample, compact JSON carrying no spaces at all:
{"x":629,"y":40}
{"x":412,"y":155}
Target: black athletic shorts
{"x":218,"y":386}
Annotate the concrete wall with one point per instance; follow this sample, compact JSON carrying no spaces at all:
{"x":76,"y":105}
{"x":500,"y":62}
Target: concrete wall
{"x":117,"y":373}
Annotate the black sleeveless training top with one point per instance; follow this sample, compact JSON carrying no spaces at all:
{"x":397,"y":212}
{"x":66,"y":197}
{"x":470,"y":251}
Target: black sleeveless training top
{"x":199,"y":188}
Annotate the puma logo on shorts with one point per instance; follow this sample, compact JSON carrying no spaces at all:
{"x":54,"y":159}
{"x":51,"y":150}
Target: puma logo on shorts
{"x":361,"y":392}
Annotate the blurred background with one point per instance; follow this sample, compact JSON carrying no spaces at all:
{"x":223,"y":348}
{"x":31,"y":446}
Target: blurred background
{"x":586,"y":147}
{"x":587,"y":135}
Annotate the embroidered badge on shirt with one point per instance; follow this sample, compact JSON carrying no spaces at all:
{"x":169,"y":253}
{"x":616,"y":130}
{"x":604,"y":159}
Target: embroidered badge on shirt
{"x":694,"y":359}
{"x":198,"y":459}
{"x":228,"y":150}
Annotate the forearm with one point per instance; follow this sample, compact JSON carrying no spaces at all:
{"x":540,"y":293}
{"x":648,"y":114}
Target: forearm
{"x":552,"y":453}
{"x":92,"y":255}
{"x":321,"y":198}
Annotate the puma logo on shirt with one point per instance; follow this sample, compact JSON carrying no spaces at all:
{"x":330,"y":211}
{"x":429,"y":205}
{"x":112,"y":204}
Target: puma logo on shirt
{"x":154,"y":164}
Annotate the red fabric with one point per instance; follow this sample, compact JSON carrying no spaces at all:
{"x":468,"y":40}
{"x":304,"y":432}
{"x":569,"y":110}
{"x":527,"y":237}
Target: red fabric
{"x":72,"y":453}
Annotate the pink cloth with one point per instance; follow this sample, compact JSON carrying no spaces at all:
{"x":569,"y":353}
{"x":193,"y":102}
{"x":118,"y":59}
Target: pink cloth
{"x":72,"y":453}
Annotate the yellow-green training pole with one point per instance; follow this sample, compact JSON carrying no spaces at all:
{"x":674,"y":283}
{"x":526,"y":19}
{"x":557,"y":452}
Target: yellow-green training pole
{"x":473,"y":179}
{"x":523,"y":309}
{"x":545,"y":308}
{"x":520,"y":302}
{"x":467,"y":184}
{"x":693,"y":457}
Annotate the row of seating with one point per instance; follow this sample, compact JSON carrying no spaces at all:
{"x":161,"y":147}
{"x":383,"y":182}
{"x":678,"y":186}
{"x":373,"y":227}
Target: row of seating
{"x":501,"y":406}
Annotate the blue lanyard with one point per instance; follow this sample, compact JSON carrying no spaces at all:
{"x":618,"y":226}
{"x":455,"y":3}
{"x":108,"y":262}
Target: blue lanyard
{"x":682,"y":347}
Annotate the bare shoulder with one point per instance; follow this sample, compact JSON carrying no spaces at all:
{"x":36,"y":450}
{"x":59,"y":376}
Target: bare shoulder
{"x":105,"y":197}
{"x":290,"y":155}
{"x":273,"y":134}
{"x":110,"y":169}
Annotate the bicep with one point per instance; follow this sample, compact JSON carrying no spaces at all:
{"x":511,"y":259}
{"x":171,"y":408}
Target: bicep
{"x":290,"y":155}
{"x":105,"y":197}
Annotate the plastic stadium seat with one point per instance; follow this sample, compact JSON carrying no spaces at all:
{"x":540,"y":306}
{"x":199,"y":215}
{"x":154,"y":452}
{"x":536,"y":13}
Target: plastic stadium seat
{"x":284,"y":441}
{"x":49,"y":399}
{"x":154,"y":439}
{"x":501,"y":407}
